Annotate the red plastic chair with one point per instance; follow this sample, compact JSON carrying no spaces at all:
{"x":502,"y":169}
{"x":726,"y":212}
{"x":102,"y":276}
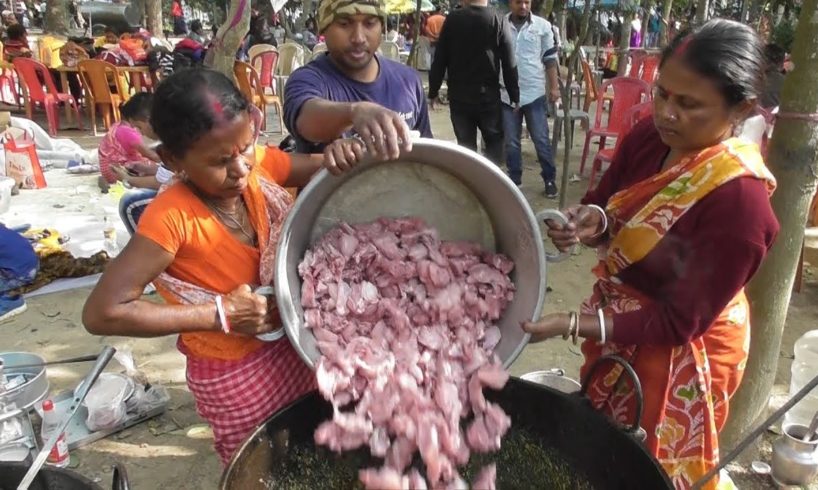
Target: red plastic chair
{"x":30,"y":73}
{"x":265,"y":64}
{"x":627,"y":92}
{"x":631,"y":119}
{"x":8,"y":84}
{"x":650,"y":68}
{"x":637,"y":60}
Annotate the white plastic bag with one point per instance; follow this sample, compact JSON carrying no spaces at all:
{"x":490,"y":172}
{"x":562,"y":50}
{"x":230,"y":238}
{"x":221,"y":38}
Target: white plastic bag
{"x":106,"y":401}
{"x":146,"y":396}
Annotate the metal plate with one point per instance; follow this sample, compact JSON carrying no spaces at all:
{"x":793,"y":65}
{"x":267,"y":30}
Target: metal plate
{"x":32,"y":391}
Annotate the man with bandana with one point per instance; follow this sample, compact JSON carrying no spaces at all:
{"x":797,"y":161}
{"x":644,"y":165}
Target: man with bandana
{"x":351,"y":90}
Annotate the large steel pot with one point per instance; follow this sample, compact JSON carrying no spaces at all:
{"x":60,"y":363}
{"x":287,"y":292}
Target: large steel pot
{"x":462,"y":194}
{"x":589,"y":449}
{"x":32,"y":391}
{"x":51,"y":478}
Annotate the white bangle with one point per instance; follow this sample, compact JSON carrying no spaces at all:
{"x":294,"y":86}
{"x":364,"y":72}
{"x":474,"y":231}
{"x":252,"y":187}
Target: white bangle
{"x":222,"y":316}
{"x":601,"y":317}
{"x":604,"y":219}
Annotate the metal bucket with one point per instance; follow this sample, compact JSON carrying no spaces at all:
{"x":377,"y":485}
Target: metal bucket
{"x":460,"y":193}
{"x":34,"y":390}
{"x":554,"y":378}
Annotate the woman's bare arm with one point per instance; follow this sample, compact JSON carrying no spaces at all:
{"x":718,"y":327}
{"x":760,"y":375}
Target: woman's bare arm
{"x":115,"y":306}
{"x":303,"y":168}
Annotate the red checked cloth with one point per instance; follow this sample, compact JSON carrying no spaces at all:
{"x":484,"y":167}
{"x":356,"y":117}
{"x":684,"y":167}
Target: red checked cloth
{"x":235,"y":397}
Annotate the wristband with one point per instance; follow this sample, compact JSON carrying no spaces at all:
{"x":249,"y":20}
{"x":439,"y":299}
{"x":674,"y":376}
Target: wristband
{"x":222,"y":316}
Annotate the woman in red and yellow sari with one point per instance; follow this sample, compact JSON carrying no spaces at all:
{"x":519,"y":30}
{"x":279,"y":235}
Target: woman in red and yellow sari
{"x":681,"y":222}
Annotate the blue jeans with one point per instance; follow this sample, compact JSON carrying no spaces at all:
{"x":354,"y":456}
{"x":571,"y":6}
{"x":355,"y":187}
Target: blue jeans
{"x":10,"y":281}
{"x":536,"y":120}
{"x":132,"y":205}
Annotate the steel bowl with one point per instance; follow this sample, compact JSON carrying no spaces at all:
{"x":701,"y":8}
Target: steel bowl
{"x":457,"y":191}
{"x":554,"y":378}
{"x":32,"y":391}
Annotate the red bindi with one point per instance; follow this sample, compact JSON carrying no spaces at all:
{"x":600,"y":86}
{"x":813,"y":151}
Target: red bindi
{"x":218,"y":110}
{"x":680,"y":50}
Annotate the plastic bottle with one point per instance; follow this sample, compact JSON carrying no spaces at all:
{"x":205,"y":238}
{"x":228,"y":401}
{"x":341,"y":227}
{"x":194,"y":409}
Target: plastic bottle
{"x":109,"y":232}
{"x":51,"y":421}
{"x":804,"y":368}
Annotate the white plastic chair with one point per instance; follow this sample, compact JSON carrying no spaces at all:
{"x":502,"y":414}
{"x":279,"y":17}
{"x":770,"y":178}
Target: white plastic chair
{"x":390,"y":50}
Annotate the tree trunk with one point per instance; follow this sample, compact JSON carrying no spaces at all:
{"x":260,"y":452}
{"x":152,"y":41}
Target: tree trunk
{"x":413,"y":54}
{"x":624,"y":43}
{"x":560,"y":16}
{"x":793,"y":159}
{"x":56,"y":17}
{"x":745,"y":8}
{"x":701,"y":11}
{"x":153,"y":15}
{"x":228,"y":39}
{"x":664,"y":27}
{"x":565,"y":96}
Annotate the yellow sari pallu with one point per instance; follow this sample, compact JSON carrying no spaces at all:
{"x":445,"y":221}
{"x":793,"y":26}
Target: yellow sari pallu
{"x":686,"y":387}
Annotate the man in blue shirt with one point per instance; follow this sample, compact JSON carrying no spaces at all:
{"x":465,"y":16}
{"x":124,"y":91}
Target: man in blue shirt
{"x":18,"y":267}
{"x":352,"y":91}
{"x":536,"y":55}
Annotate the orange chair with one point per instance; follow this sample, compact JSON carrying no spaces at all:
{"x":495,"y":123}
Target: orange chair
{"x":97,"y":77}
{"x":627,"y":92}
{"x":43,"y":92}
{"x":591,"y":89}
{"x":631,"y":119}
{"x":248,"y":81}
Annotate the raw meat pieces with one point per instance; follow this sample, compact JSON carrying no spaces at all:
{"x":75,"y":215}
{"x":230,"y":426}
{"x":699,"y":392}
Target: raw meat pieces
{"x":406,"y":327}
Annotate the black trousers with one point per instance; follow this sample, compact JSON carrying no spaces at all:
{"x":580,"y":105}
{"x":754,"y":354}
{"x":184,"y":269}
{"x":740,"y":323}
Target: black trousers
{"x":485,"y":115}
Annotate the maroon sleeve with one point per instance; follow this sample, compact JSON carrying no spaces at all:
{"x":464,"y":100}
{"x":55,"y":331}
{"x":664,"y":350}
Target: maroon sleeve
{"x":719,"y":247}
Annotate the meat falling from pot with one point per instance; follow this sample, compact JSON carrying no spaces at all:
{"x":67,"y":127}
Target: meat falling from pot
{"x":406,"y":326}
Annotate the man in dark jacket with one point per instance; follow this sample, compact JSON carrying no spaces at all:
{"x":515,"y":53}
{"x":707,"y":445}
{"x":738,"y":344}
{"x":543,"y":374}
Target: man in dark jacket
{"x":474,"y":43}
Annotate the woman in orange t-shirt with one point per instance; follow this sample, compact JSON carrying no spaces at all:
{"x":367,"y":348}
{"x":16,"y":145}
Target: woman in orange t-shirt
{"x":206,"y":242}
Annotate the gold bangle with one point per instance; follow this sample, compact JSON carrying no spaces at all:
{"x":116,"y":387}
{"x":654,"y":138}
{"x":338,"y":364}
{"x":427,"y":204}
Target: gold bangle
{"x":576,"y":328}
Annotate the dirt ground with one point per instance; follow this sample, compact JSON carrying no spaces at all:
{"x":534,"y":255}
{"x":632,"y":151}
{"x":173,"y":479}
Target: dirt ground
{"x":159,"y":454}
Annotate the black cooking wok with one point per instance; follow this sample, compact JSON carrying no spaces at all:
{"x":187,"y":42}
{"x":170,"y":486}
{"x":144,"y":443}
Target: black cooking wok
{"x":51,"y":478}
{"x":579,"y":447}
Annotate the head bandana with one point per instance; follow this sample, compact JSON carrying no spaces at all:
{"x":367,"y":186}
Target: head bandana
{"x":330,"y":10}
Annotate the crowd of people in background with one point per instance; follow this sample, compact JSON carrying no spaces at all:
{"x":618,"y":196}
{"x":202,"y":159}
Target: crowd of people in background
{"x":482,"y":96}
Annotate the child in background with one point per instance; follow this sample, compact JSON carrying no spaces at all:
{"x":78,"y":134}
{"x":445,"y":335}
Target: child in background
{"x":16,"y":46}
{"x":123,"y":145}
